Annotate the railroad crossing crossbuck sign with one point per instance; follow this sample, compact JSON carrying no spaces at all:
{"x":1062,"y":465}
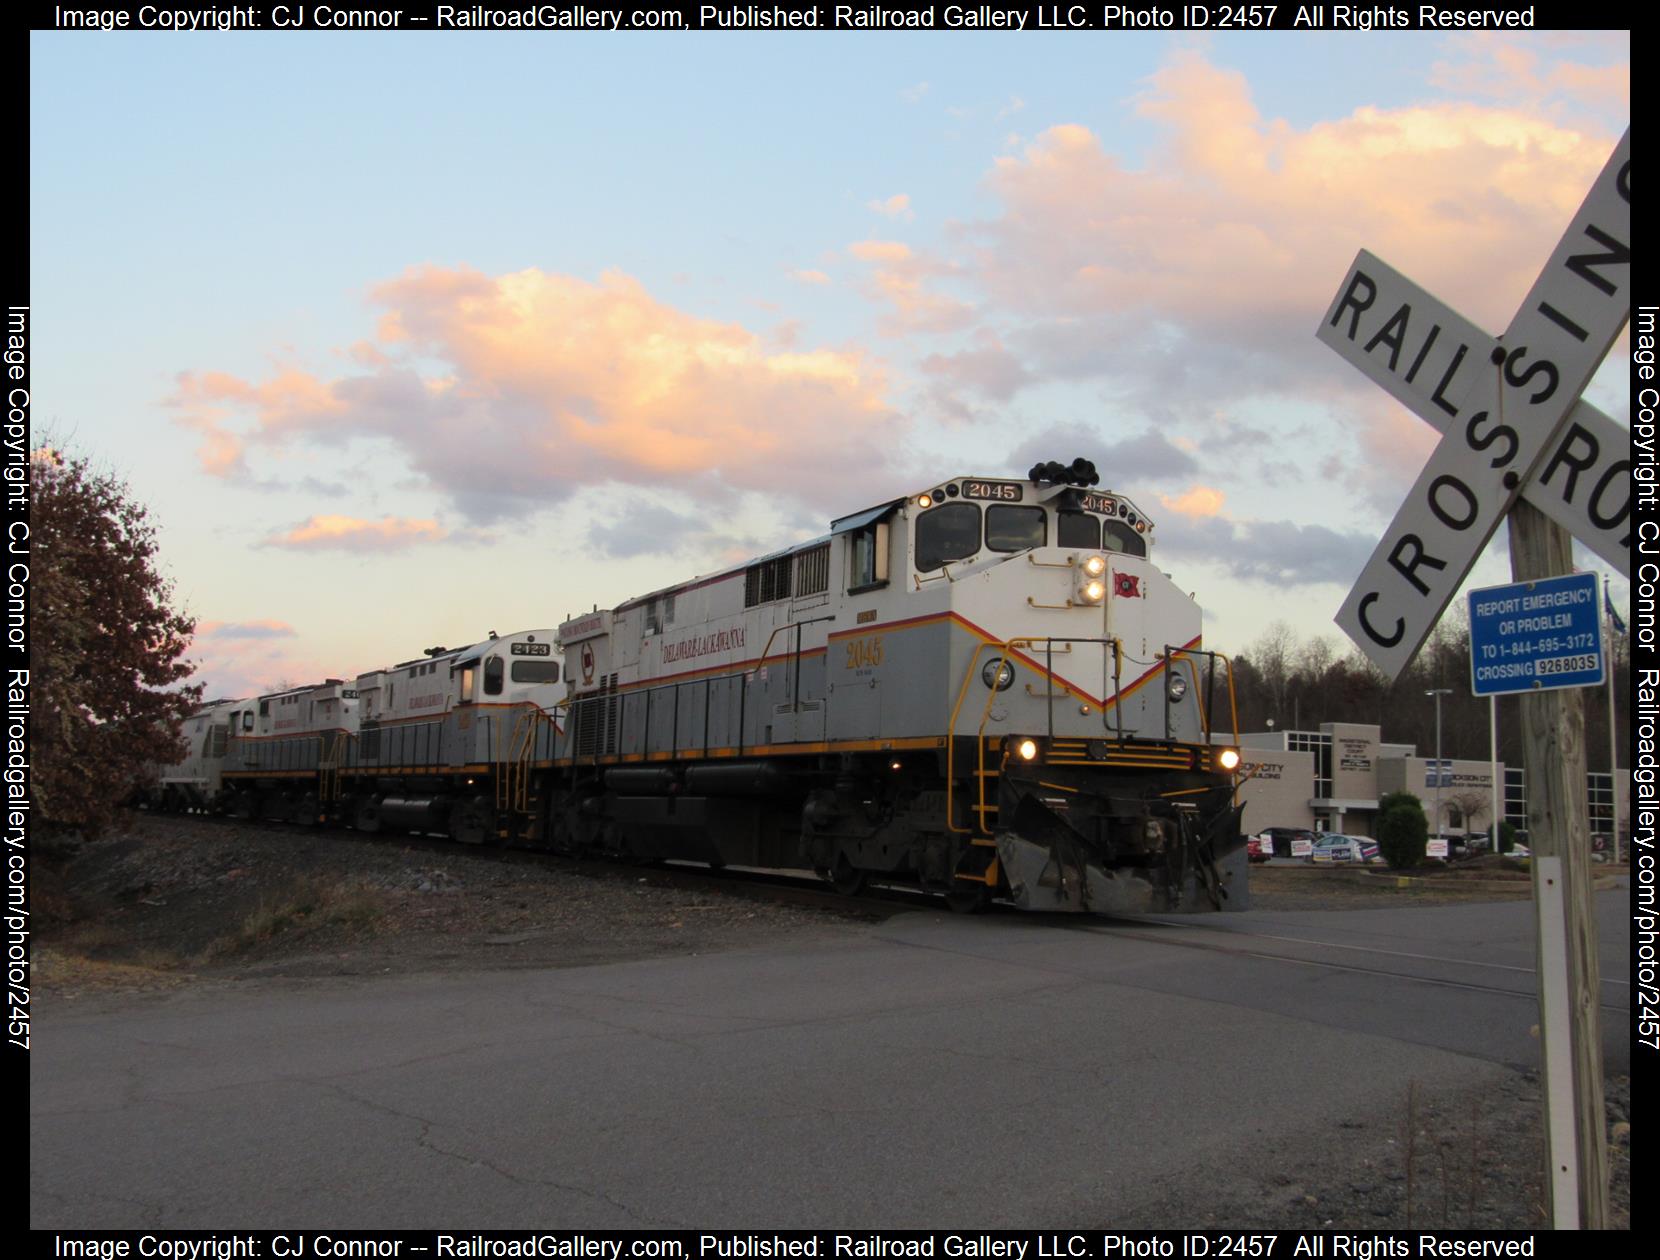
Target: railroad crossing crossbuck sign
{"x":1510,"y":414}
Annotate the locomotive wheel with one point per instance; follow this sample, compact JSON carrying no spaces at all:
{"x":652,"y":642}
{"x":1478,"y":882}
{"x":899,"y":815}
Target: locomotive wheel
{"x":366,"y":817}
{"x":304,"y":810}
{"x":472,"y":821}
{"x":242,"y":806}
{"x":968,"y":898}
{"x":846,"y":878}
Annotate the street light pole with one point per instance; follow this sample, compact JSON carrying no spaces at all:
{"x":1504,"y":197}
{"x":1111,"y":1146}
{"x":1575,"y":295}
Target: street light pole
{"x":1438,"y":692}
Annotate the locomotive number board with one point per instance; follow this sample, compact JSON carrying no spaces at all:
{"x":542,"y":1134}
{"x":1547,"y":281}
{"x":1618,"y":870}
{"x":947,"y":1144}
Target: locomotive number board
{"x":1006,"y":491}
{"x":530,"y":649}
{"x":1103,"y":503}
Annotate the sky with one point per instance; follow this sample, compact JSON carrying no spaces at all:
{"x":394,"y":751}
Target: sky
{"x":406,"y":338}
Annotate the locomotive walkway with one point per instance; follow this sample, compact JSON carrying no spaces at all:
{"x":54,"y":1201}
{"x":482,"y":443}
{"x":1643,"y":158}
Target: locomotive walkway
{"x":927,"y":1070}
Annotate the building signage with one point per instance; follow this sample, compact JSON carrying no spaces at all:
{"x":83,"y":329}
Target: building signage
{"x":1528,"y":636}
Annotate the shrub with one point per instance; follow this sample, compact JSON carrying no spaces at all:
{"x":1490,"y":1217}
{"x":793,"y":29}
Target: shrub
{"x":1403,"y":831}
{"x":1507,"y":837}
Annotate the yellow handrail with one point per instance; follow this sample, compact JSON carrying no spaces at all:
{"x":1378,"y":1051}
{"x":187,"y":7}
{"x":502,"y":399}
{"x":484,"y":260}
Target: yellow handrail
{"x":1233,"y":699}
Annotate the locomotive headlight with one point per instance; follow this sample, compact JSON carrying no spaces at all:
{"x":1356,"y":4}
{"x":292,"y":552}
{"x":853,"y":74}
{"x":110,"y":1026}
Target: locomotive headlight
{"x":1094,"y":591}
{"x":1228,"y":759}
{"x":1178,"y":688}
{"x":1026,"y":749}
{"x":925,"y":500}
{"x":1095,"y":566}
{"x":998,"y":674}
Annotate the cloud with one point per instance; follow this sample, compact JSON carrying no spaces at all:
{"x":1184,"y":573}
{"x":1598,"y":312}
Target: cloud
{"x":348,"y":533}
{"x":247,"y":658}
{"x":1236,"y":219}
{"x":987,"y":369}
{"x":1145,"y":458}
{"x":897,"y":206}
{"x":809,"y":276}
{"x":1277,"y":553}
{"x":644,"y":530}
{"x":507,"y":393}
{"x":914,"y":93}
{"x":244,"y":630}
{"x":1197,"y":501}
{"x":1187,"y":285}
{"x":899,"y":282}
{"x":1540,"y":74}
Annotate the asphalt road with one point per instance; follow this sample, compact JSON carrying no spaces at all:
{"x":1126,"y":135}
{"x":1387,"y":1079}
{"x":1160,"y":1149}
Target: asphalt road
{"x":927,"y":1070}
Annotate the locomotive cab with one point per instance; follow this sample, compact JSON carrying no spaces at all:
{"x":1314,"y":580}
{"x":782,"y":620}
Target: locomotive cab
{"x":448,"y":739}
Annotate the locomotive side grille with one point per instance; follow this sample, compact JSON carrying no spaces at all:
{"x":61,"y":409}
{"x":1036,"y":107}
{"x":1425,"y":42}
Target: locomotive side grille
{"x":812,"y":571}
{"x":767,"y":581}
{"x":612,"y":702}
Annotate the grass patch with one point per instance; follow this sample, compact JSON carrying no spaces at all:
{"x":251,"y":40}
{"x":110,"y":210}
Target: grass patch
{"x":66,"y":969}
{"x":301,"y":907}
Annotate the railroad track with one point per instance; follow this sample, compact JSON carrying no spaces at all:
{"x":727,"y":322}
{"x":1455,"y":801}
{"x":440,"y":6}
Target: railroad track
{"x":877,"y":901}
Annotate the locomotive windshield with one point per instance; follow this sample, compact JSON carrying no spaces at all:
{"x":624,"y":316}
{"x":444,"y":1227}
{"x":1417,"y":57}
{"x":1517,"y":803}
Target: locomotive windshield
{"x":1015,"y":528}
{"x":952,"y":532}
{"x":1117,"y":536}
{"x":1078,"y":529}
{"x":947,"y":533}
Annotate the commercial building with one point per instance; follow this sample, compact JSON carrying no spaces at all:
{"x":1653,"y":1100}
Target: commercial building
{"x":1332,"y":779}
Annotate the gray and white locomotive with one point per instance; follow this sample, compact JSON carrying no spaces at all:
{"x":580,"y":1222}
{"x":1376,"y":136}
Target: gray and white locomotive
{"x":986,"y":688}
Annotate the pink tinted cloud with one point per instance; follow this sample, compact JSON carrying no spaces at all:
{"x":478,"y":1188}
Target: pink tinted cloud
{"x":1236,"y":217}
{"x":900,"y":279}
{"x":547,"y":383}
{"x":897,"y":206}
{"x":246,"y":658}
{"x":1195,"y":501}
{"x":244,"y":630}
{"x":349,"y":533}
{"x":1555,"y":74}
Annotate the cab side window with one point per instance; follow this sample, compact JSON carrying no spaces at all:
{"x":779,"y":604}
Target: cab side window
{"x":867,"y":552}
{"x":493,"y":676}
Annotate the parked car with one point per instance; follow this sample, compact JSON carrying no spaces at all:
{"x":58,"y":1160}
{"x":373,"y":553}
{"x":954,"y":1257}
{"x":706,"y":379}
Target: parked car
{"x":1469,"y":845}
{"x":1331,"y":846}
{"x":1259,"y":848}
{"x":1285,"y":841}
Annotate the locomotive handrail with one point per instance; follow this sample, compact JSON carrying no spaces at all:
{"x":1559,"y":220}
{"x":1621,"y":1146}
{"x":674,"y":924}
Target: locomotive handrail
{"x":1233,"y":697}
{"x":1172,"y":657}
{"x":980,"y":749}
{"x":1004,"y":649}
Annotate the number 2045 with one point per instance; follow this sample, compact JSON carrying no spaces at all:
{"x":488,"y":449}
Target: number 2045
{"x":864,"y":653}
